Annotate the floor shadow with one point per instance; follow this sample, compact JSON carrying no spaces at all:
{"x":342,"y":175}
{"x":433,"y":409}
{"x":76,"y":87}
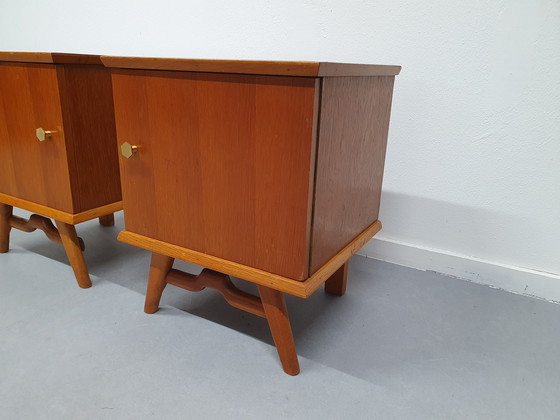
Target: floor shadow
{"x":128,"y":266}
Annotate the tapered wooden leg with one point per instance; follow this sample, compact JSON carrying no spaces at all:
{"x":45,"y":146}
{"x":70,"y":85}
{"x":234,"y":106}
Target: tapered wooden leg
{"x":5,"y":214}
{"x":160,"y":266}
{"x":277,"y":316}
{"x":107,"y":220}
{"x":71,"y":244}
{"x":336,"y":284}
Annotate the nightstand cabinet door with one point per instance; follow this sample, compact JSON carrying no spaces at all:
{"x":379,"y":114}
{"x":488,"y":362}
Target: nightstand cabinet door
{"x":220,"y":163}
{"x":32,"y":169}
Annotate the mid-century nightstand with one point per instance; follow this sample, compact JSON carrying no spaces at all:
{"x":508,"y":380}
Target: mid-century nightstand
{"x":267,"y":171}
{"x":58,"y":150}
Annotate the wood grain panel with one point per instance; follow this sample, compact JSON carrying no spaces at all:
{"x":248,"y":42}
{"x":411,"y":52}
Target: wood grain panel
{"x":32,"y":170}
{"x":223,"y":165}
{"x":353,"y":130}
{"x":278,"y":68}
{"x":87,"y":103}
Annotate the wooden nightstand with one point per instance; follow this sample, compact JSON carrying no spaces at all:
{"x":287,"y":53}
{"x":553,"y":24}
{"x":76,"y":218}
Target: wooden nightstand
{"x":57,"y":148}
{"x":266,"y":171}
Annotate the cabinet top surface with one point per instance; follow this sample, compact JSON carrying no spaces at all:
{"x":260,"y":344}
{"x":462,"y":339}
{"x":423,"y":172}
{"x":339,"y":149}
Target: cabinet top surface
{"x":49,"y":58}
{"x":280,"y":68}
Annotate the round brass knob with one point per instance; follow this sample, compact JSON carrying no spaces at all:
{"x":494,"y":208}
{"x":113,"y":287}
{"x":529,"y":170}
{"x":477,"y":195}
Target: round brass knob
{"x":42,"y":135}
{"x":127,"y":149}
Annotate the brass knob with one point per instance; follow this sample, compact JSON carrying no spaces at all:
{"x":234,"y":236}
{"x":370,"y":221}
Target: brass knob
{"x":127,"y":150}
{"x":42,"y":135}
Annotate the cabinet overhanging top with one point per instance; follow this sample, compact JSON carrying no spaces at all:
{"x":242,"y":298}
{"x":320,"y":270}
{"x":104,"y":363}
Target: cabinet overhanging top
{"x":279,"y":68}
{"x":49,"y":58}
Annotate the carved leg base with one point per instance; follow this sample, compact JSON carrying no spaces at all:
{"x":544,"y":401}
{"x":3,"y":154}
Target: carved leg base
{"x":160,"y":266}
{"x":39,"y":222}
{"x":336,"y":284}
{"x":71,"y":244}
{"x":107,"y":220}
{"x":271,"y":304}
{"x":277,"y":316}
{"x":65,"y":235}
{"x":5,"y":215}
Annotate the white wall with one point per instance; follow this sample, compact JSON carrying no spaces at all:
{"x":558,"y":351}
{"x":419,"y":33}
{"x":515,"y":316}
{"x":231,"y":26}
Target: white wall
{"x":473,"y":166}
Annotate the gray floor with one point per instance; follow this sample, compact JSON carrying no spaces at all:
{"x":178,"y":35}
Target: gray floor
{"x":400,"y":344}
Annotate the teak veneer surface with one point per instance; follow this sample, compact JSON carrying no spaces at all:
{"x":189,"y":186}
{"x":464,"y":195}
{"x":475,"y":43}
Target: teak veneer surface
{"x":278,"y":68}
{"x":274,"y":172}
{"x":224,"y":166}
{"x":351,"y":149}
{"x":29,"y":169}
{"x":75,"y":170}
{"x":89,"y":120}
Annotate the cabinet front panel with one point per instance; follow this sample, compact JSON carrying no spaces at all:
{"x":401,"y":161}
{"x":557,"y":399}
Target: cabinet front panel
{"x":30,"y":169}
{"x":223,"y":164}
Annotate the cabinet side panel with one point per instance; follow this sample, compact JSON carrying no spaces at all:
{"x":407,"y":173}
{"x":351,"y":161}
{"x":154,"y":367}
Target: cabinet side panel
{"x":87,"y":106}
{"x":29,"y":169}
{"x":353,"y":129}
{"x":223,"y":164}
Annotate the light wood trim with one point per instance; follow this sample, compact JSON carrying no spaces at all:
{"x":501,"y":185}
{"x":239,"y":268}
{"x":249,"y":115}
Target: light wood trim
{"x":302,"y":289}
{"x":327,"y":270}
{"x":59,"y":215}
{"x":255,"y":275}
{"x":97,"y":212}
{"x":277,"y":68}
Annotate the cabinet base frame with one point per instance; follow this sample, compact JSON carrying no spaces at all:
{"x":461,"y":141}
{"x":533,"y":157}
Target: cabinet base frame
{"x":270,"y":304}
{"x":302,"y":289}
{"x":62,"y":216}
{"x":64,"y":233}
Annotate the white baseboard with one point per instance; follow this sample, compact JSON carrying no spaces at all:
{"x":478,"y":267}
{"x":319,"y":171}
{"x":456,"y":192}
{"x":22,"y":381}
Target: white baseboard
{"x":506,"y":277}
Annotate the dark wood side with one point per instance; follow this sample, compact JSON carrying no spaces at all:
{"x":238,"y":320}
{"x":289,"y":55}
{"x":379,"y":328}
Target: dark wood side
{"x":279,"y":68}
{"x":354,"y":123}
{"x":223,"y":164}
{"x":29,"y":169}
{"x":65,"y":58}
{"x":347,"y":70}
{"x":86,"y":98}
